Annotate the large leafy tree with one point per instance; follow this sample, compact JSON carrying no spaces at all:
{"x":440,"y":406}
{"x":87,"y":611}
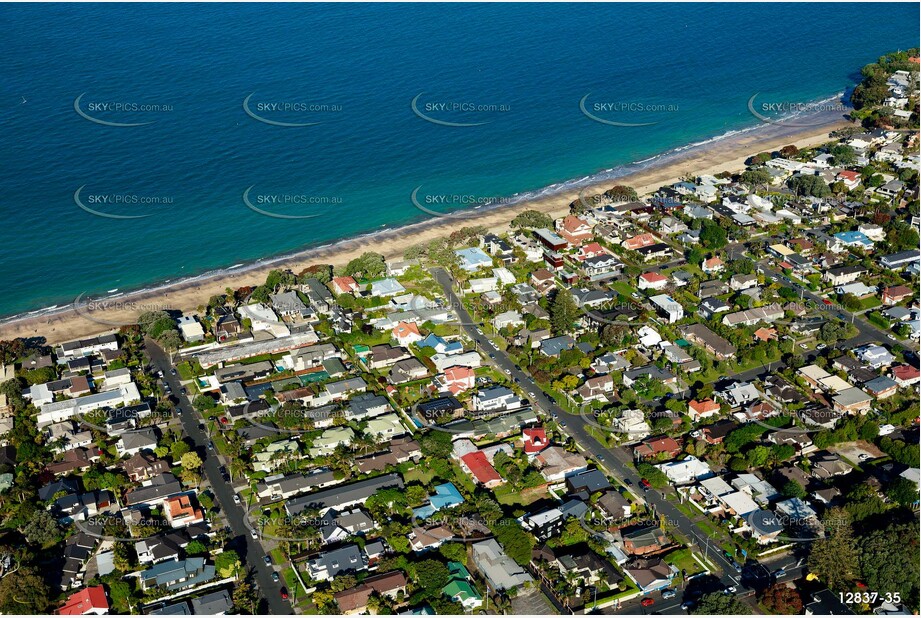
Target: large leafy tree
{"x":24,"y":592}
{"x":532,"y":219}
{"x":834,"y":559}
{"x":782,"y":599}
{"x":563,"y":311}
{"x":721,"y":604}
{"x":889,"y":560}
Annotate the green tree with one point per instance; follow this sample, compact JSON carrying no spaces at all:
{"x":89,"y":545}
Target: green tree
{"x":652,"y":474}
{"x":24,"y":592}
{"x":227,"y":563}
{"x":514,"y":540}
{"x":889,"y":560}
{"x":431,"y":576}
{"x":454,"y":552}
{"x":712,"y":234}
{"x":902,"y":491}
{"x":532,"y":219}
{"x":42,"y":528}
{"x":191,"y":461}
{"x":563,"y":312}
{"x":792,"y":489}
{"x":721,"y":604}
{"x":834,"y":558}
{"x":809,"y":185}
{"x":756,"y":177}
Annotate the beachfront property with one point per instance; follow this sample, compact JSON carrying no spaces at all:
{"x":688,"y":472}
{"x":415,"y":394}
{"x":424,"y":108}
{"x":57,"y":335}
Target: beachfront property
{"x":402,"y":413}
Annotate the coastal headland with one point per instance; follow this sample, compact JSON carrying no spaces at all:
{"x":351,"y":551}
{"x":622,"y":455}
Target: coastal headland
{"x":729,"y":154}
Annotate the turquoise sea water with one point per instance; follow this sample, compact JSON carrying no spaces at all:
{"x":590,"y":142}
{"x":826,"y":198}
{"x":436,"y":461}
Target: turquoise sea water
{"x":688,"y":68}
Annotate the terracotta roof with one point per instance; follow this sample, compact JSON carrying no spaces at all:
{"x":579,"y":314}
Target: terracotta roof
{"x":83,"y":601}
{"x":480,"y":467}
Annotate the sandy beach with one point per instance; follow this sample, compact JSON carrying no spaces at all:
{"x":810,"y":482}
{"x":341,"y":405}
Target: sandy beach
{"x":729,"y":154}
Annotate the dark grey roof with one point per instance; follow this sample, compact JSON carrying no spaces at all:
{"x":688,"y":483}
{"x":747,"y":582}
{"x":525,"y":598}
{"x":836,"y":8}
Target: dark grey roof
{"x":344,"y":494}
{"x":213,"y":603}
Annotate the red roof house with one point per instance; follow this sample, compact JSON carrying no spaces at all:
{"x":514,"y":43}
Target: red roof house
{"x":906,"y":375}
{"x":459,"y":379}
{"x":703,"y":409}
{"x":574,"y":229}
{"x":406,"y":333}
{"x":713,"y":265}
{"x":344,"y":285}
{"x":640,"y":241}
{"x":535,"y":440}
{"x":653,"y":281}
{"x":896,"y":294}
{"x":653,"y":447}
{"x":89,"y":601}
{"x":481,"y":469}
{"x":591,"y":250}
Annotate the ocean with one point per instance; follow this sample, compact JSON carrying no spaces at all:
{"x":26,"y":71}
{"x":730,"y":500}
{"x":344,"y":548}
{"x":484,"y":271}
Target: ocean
{"x":146,"y":143}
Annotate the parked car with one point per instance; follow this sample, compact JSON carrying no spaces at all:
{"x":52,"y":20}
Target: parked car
{"x":284,"y":593}
{"x":668,"y":593}
{"x":645,"y":484}
{"x":172,"y":372}
{"x":267,"y":560}
{"x":236,"y":499}
{"x":254,"y":534}
{"x":275,"y":576}
{"x":647,"y":602}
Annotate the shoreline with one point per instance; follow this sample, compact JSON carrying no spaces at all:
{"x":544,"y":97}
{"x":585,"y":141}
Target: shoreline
{"x":58,"y":324}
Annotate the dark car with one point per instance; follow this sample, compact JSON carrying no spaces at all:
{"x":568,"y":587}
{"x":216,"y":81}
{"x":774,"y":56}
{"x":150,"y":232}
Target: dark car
{"x":172,"y":372}
{"x":267,"y":560}
{"x":184,"y":391}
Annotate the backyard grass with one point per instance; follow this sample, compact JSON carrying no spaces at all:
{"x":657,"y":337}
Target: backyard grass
{"x":419,"y":475}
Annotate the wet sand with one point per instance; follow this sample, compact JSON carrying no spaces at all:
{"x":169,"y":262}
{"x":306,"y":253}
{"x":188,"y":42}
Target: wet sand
{"x":72,"y":322}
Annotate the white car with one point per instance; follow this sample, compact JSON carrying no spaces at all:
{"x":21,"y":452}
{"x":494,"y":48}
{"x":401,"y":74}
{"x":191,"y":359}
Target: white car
{"x":508,"y":372}
{"x":254,"y":534}
{"x":236,"y":499}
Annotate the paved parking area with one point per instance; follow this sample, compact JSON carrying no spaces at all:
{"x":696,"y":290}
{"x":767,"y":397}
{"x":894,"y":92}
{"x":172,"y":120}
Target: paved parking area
{"x":532,"y":603}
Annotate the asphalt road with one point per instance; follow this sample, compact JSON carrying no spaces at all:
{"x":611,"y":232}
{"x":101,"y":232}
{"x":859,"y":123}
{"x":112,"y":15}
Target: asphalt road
{"x":249,"y":549}
{"x":615,"y":461}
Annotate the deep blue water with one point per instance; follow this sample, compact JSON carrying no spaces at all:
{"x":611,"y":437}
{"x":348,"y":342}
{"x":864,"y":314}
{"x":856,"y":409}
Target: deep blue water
{"x":365,"y":63}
